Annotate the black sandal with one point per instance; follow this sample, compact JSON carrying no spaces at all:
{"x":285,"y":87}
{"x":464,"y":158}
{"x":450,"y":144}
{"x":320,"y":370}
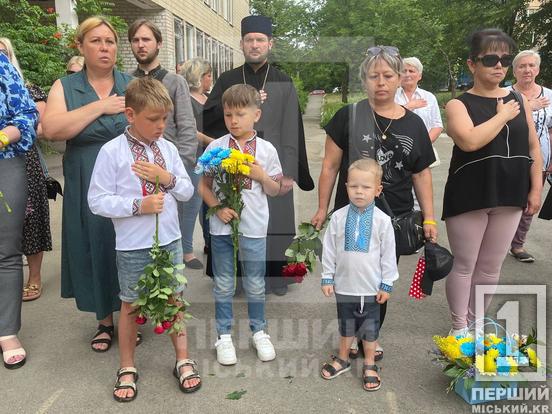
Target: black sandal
{"x":131,"y":385}
{"x":333,"y":371}
{"x":102,"y":329}
{"x":187,"y":375}
{"x":370,"y":379}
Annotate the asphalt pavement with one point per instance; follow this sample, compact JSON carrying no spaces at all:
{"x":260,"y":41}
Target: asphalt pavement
{"x":63,"y":375}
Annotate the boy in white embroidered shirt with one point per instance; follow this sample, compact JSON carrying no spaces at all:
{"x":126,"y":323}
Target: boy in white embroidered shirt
{"x":241,"y":104}
{"x":122,"y":187}
{"x":359,"y":265}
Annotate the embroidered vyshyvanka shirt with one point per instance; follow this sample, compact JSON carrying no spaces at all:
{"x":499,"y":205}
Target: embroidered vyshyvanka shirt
{"x":254,"y":217}
{"x":116,"y":192}
{"x":362,"y":269}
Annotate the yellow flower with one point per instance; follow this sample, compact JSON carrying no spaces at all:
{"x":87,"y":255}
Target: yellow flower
{"x":513,"y":365}
{"x":249,"y":158}
{"x":464,"y":340}
{"x":244,"y":169}
{"x":534,"y":361}
{"x":229,"y":165}
{"x":494,"y":339}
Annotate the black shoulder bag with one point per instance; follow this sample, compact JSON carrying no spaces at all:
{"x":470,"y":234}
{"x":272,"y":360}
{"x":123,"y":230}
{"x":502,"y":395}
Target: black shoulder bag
{"x":409,"y":231}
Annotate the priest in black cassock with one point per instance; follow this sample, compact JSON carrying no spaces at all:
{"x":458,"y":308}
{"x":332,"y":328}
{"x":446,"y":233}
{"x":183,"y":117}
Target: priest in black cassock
{"x":280,"y":124}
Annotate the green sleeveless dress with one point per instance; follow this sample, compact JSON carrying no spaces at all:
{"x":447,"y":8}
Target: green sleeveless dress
{"x":88,"y":266}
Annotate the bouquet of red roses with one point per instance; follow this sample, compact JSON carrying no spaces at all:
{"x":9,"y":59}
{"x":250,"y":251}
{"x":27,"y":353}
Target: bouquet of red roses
{"x":303,"y":251}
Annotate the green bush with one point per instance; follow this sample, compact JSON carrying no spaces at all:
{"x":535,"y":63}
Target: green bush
{"x":302,"y":94}
{"x":332,"y":104}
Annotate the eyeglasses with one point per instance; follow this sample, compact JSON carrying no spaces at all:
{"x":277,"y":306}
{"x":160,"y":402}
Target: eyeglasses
{"x":70,"y":72}
{"x":389,"y":50}
{"x":4,"y":52}
{"x":491,"y":60}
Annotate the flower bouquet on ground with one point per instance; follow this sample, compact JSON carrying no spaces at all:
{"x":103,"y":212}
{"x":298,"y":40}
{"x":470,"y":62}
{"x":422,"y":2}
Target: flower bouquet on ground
{"x":486,"y":361}
{"x":229,"y":169}
{"x":303,"y":251}
{"x":157,"y":299}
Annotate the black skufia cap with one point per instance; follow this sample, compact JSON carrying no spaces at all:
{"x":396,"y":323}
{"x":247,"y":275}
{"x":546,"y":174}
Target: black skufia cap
{"x":256,"y":24}
{"x":438,"y":264}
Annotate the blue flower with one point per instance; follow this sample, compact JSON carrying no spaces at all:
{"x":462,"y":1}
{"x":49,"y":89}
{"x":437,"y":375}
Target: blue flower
{"x":468,"y":349}
{"x":501,"y":349}
{"x":225,"y":153}
{"x":199,"y":169}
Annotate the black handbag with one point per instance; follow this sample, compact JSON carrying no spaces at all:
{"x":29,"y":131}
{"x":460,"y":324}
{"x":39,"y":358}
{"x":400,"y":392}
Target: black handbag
{"x":409,"y":231}
{"x":53,"y":188}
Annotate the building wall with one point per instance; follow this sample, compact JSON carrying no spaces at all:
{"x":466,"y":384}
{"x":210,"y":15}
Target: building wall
{"x":199,"y":19}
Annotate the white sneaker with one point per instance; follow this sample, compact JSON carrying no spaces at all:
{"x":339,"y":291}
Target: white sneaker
{"x":226,"y":353}
{"x":463,"y":332}
{"x":265,"y":349}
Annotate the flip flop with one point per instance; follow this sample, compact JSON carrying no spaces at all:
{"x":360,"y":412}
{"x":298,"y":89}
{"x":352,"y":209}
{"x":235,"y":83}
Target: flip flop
{"x":31,"y":292}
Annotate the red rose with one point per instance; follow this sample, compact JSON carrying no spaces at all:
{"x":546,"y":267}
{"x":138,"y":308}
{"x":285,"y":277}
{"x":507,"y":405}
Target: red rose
{"x":159,"y":329}
{"x":300,"y":269}
{"x":57,"y":35}
{"x":50,"y":10}
{"x":289,"y":270}
{"x":166,"y":324}
{"x":141,"y":319}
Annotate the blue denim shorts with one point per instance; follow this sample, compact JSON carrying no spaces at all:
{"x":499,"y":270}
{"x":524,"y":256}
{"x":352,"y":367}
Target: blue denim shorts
{"x":131,"y":264}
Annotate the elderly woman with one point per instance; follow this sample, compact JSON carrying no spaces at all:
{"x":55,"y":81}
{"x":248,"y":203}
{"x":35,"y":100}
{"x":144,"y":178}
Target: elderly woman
{"x":379,"y":128}
{"x":199,"y":75}
{"x":526,"y":67}
{"x":18,"y":117}
{"x":37,"y":237}
{"x":495,"y":174}
{"x":75,"y":64}
{"x":85,"y":109}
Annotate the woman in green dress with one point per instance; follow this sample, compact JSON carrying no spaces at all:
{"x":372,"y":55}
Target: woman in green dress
{"x":85,"y":109}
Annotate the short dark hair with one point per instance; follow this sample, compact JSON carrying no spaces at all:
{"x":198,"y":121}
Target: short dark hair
{"x":490,"y":39}
{"x":136,"y":24}
{"x":241,"y":96}
{"x":146,"y":92}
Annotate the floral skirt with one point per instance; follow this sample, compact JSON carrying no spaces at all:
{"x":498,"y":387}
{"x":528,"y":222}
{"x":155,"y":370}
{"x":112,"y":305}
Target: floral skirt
{"x":36,"y":228}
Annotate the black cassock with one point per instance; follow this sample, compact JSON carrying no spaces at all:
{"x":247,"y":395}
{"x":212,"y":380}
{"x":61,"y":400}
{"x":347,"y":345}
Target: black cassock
{"x":280,"y":124}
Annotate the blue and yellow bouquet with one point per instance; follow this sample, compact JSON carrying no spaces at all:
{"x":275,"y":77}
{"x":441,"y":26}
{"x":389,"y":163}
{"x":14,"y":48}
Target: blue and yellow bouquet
{"x":229,"y":169}
{"x":491,"y":355}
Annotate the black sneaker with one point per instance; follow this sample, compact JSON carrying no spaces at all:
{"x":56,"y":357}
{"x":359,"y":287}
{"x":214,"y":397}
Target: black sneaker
{"x":279,"y":290}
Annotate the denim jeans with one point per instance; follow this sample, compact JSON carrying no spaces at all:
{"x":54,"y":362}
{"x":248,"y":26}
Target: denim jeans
{"x":187,"y":214}
{"x":252,"y":254}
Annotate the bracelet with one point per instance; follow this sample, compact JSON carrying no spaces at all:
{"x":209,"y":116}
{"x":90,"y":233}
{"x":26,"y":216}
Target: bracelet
{"x":430,"y":222}
{"x":4,"y":139}
{"x":327,"y":282}
{"x":385,"y":287}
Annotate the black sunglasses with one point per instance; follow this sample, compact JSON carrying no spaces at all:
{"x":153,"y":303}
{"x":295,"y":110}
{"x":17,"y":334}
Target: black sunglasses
{"x":491,"y":60}
{"x":4,"y":52}
{"x":389,"y":50}
{"x":70,"y":72}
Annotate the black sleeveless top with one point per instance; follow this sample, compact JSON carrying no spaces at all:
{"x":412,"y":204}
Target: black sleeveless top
{"x":496,"y":175}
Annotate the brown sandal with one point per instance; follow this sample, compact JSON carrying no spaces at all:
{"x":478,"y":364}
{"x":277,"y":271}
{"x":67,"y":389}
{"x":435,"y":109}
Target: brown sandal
{"x":31,"y":292}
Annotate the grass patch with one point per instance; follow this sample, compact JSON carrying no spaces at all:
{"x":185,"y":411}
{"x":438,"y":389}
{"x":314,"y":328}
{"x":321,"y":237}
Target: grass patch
{"x":332,"y":104}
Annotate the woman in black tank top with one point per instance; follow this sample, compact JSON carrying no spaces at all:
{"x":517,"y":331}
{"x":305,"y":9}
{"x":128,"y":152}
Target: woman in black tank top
{"x":495,"y":173}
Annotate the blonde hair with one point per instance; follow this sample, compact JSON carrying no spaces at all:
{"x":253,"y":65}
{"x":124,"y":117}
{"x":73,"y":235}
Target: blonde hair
{"x":368,"y":165}
{"x":90,"y":24}
{"x":11,"y":53}
{"x":395,"y":62}
{"x":241,"y":96}
{"x":520,"y":55}
{"x":146,"y":92}
{"x":193,"y":70}
{"x":75,"y":60}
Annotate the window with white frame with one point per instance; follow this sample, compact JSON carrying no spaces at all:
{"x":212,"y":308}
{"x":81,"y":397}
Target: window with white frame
{"x":190,"y":41}
{"x":200,"y":51}
{"x":178,"y":41}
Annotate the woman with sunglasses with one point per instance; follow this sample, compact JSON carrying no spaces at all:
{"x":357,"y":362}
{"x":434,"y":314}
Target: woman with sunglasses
{"x":526,"y":67}
{"x":381,"y":129}
{"x":495,"y":174}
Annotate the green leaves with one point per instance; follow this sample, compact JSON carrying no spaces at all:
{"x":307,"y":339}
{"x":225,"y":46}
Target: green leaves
{"x":306,"y":247}
{"x":236,"y":395}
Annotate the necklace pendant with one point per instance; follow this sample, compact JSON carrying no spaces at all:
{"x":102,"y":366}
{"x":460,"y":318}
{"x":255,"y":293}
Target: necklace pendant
{"x":263,"y":94}
{"x":383,"y":136}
